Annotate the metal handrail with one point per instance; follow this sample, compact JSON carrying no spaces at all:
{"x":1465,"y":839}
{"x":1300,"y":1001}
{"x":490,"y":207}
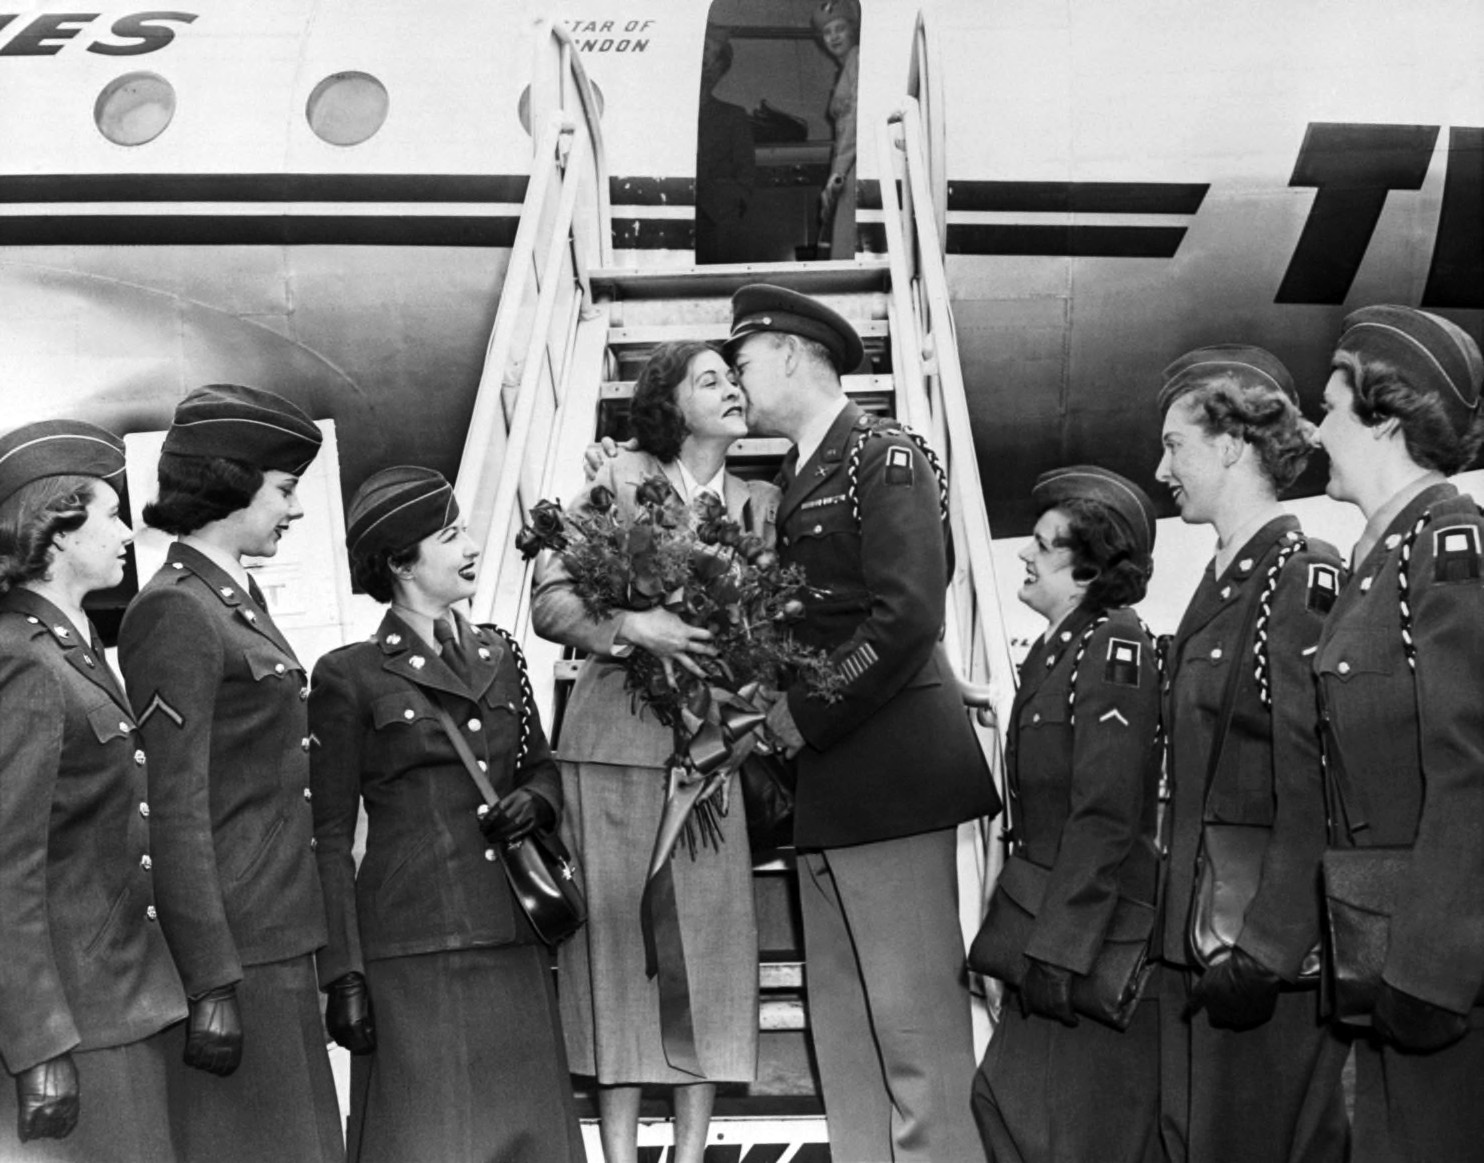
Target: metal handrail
{"x":925,"y":86}
{"x":571,"y":65}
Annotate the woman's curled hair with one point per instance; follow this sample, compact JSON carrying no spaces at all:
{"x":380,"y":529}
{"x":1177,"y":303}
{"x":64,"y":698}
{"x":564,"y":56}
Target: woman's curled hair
{"x":30,"y":520}
{"x":375,"y":572}
{"x":1264,"y":417}
{"x":1104,"y":555}
{"x":654,"y":414}
{"x":197,"y":490}
{"x":1381,"y":393}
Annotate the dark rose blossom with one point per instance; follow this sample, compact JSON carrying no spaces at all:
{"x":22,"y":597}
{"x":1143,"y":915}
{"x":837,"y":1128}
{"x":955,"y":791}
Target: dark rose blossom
{"x":750,"y":547}
{"x":600,"y":498}
{"x":653,"y":491}
{"x":728,"y":534}
{"x":708,"y":507}
{"x":542,"y":531}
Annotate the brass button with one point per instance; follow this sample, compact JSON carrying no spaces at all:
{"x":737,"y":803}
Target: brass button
{"x":1215,"y":653}
{"x":819,"y":528}
{"x":1036,"y":718}
{"x":308,"y":794}
{"x":145,"y":862}
{"x":278,"y":668}
{"x":483,"y":766}
{"x":489,"y":854}
{"x":313,"y":843}
{"x":304,"y":743}
{"x":475,"y":724}
{"x":144,"y":809}
{"x":1343,"y":668}
{"x":408,"y":714}
{"x":138,"y":758}
{"x":1365,"y":584}
{"x":303,"y":693}
{"x":150,"y":914}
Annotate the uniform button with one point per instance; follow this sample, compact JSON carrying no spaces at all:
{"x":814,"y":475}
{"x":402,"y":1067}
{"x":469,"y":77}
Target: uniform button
{"x":489,"y":854}
{"x":150,"y":914}
{"x":1036,"y":718}
{"x":783,"y":541}
{"x":138,"y":758}
{"x":475,"y":724}
{"x":145,"y":862}
{"x":819,"y":528}
{"x":483,"y":766}
{"x":1343,"y":668}
{"x":510,"y":706}
{"x":144,"y":809}
{"x":304,"y":744}
{"x":278,"y":668}
{"x":1215,"y":653}
{"x":408,"y":714}
{"x":308,"y":794}
{"x":1365,"y":584}
{"x":1393,"y":541}
{"x":303,"y":693}
{"x":1245,"y":564}
{"x":313,"y":843}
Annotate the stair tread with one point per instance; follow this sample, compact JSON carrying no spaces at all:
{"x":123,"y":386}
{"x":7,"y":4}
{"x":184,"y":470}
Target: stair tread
{"x":809,"y":278}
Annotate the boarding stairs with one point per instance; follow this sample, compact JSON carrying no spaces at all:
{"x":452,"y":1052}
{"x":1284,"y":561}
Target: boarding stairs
{"x":571,"y":332}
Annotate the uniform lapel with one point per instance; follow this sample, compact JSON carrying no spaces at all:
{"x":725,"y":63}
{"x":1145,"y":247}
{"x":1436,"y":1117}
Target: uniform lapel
{"x":229,"y":592}
{"x":1248,"y":568}
{"x":485,"y":650}
{"x":405,"y":654}
{"x":824,"y":465}
{"x":86,"y":658}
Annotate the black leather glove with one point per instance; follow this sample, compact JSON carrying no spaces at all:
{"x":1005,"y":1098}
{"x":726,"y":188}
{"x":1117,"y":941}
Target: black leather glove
{"x":1047,"y":992}
{"x":214,"y":1031}
{"x":1409,"y":1023}
{"x":518,"y":814}
{"x":348,"y":1014}
{"x":1238,"y":992}
{"x":46,"y":1099}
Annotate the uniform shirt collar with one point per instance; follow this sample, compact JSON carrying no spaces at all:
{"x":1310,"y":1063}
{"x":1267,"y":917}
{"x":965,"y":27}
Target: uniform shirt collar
{"x":716,"y":485}
{"x":224,"y":561}
{"x":1378,"y":522}
{"x":1227,"y":551}
{"x":817,"y":427}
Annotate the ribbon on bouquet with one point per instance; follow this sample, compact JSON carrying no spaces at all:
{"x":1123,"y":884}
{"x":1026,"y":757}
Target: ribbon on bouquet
{"x":722,"y":728}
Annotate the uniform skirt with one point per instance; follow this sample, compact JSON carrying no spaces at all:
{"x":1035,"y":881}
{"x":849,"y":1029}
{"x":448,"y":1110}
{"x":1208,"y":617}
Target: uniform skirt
{"x":610,"y":1008}
{"x":469,"y":1065}
{"x":123,"y":1115}
{"x":280,"y":1102}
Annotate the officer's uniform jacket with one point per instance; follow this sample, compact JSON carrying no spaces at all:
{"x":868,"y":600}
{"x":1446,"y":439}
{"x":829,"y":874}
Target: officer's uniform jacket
{"x":1082,"y":762}
{"x":1270,"y":774}
{"x":221,"y":703}
{"x":1410,"y":749}
{"x":428,"y":881}
{"x":84,"y":964}
{"x":896,"y":756}
{"x":600,"y":725}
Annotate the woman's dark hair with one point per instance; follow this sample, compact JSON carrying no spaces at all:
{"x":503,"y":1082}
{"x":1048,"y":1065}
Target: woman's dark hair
{"x":197,"y":490}
{"x":654,"y":416}
{"x":375,"y":572}
{"x":1103,"y":555}
{"x":1381,"y":393}
{"x":1262,"y":416}
{"x":32,"y":517}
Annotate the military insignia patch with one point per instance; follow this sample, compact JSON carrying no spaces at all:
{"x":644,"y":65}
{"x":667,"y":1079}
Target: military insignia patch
{"x":822,"y":502}
{"x":898,"y":466}
{"x":1456,"y":553}
{"x":858,"y":661}
{"x":1122,"y":668}
{"x":1324,"y":587}
{"x":157,"y":704}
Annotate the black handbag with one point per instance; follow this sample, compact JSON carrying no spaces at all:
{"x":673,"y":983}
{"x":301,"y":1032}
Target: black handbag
{"x":1359,"y":891}
{"x":541,"y":872}
{"x":1110,"y":991}
{"x":768,"y":783}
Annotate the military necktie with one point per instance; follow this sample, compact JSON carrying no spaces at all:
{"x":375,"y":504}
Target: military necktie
{"x":448,"y":649}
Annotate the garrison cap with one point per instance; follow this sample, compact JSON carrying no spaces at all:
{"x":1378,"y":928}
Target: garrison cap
{"x":1129,"y":504}
{"x":761,"y":307}
{"x":1252,"y":367}
{"x":397,"y":507}
{"x":252,"y":425}
{"x":1435,"y":356}
{"x":54,"y":448}
{"x":849,"y":10}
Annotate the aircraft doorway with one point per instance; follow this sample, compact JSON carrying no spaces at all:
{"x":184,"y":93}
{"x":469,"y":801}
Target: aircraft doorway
{"x":775,"y":130}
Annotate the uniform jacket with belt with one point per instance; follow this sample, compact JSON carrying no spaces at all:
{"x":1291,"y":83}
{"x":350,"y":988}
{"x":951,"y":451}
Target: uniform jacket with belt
{"x":1410,"y":749}
{"x":896,"y":755}
{"x":599,"y":725}
{"x":1083,"y":762}
{"x":426,"y":882}
{"x":220,"y":700}
{"x":84,"y":965}
{"x":1270,"y":774}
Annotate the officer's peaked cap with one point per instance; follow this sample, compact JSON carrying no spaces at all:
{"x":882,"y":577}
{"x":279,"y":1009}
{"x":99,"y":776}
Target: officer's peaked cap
{"x":251,"y":425}
{"x":53,"y":448}
{"x":761,"y":307}
{"x":398,"y":507}
{"x":1128,"y":503}
{"x":1251,"y":368}
{"x":1433,"y":355}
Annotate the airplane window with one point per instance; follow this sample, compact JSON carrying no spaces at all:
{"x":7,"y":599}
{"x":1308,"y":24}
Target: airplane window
{"x":347,"y":108}
{"x":135,"y":108}
{"x":523,"y":105}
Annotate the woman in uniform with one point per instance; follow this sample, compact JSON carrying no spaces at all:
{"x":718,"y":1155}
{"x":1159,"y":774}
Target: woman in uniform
{"x":1244,"y":1036}
{"x":837,"y":25}
{"x":220,"y":700}
{"x":1083,"y":765}
{"x":1401,"y":667}
{"x":687,"y":410}
{"x":437,"y":983}
{"x":86,"y":981}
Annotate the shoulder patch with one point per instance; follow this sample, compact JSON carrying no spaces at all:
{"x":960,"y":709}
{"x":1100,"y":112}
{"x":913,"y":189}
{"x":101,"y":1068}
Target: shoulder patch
{"x":1122,"y":666}
{"x":898,"y":465}
{"x":159,"y":705}
{"x":1455,"y":553}
{"x":1324,"y":587}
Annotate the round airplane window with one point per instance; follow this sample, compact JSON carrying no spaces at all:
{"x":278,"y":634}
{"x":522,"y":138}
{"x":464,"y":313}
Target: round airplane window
{"x":134,"y":108}
{"x":523,"y":105}
{"x":347,"y":108}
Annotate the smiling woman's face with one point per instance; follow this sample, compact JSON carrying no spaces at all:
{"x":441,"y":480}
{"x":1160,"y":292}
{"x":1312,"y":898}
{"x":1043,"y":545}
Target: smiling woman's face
{"x":710,"y":401}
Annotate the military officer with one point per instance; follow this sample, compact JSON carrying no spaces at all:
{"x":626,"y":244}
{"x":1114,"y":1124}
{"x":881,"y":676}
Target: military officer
{"x":888,"y":770}
{"x":1400,"y":666}
{"x":1244,"y":1034}
{"x":220,"y":698}
{"x":86,"y":980}
{"x":1083,"y":764}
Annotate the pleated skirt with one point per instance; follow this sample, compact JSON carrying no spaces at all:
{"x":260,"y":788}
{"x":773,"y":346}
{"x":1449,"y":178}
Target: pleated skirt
{"x":123,"y":1113}
{"x":280,"y":1102}
{"x":469,"y":1065}
{"x":610,"y":1008}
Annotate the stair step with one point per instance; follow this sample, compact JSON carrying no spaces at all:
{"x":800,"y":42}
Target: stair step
{"x":782,"y":1013}
{"x":655,"y":333}
{"x":780,"y":975}
{"x":809,"y":278}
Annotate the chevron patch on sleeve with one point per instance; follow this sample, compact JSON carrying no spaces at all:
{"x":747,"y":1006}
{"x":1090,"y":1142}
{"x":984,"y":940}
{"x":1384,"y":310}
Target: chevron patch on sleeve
{"x":1122,"y":668}
{"x":158,"y":704}
{"x":1324,"y":587}
{"x":898,"y":465}
{"x":858,"y":661}
{"x":1456,"y":553}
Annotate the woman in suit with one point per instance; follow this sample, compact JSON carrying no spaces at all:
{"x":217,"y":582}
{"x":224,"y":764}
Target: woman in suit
{"x":837,"y":26}
{"x":1404,"y":734}
{"x":86,"y":981}
{"x":1244,"y":1035}
{"x":437,"y":983}
{"x":1083,"y":763}
{"x":686,"y":411}
{"x":219,"y":697}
